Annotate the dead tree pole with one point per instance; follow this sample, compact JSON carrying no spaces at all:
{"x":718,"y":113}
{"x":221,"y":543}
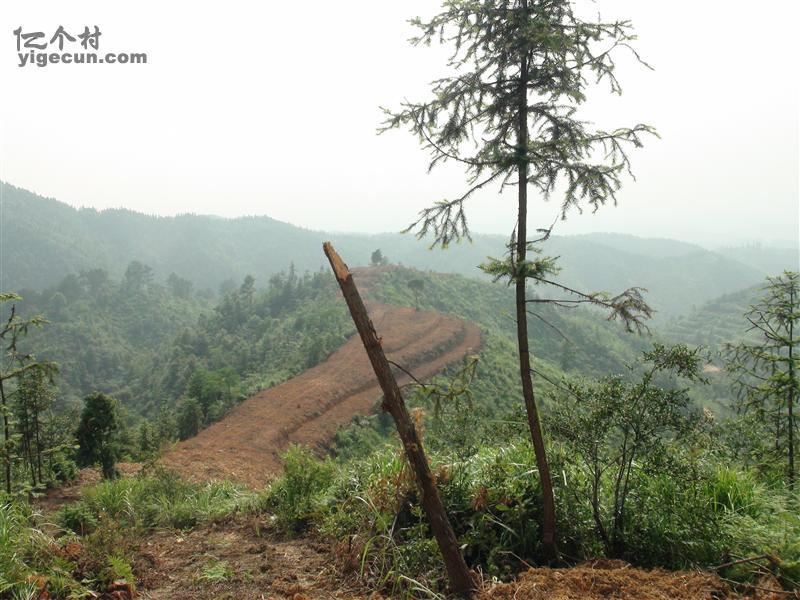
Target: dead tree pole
{"x":460,"y":580}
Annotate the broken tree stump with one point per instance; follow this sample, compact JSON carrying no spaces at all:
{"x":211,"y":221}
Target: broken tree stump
{"x":457,"y":572}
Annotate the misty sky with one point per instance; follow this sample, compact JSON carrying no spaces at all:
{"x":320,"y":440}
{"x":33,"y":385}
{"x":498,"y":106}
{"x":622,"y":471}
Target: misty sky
{"x":271,"y":108}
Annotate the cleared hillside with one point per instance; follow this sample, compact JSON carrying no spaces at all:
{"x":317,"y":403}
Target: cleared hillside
{"x":308,"y":409}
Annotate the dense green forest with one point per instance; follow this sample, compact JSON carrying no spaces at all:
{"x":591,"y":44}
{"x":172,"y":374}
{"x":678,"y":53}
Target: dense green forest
{"x":715,"y":322}
{"x":150,"y":344}
{"x":104,"y":333}
{"x":176,"y":357}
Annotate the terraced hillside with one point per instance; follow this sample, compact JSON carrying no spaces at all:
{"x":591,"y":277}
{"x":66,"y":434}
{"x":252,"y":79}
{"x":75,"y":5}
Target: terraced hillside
{"x":308,"y":409}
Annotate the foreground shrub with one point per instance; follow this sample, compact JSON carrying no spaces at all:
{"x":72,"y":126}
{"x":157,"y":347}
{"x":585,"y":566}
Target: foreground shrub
{"x":372,"y":507}
{"x":295,"y":498}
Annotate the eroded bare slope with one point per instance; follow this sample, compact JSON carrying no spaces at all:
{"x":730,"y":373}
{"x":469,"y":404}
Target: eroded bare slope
{"x":308,"y":409}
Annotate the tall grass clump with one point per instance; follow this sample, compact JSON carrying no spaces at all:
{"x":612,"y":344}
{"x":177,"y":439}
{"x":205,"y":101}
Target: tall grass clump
{"x":156,"y":499}
{"x":32,"y":563}
{"x":296,"y":497}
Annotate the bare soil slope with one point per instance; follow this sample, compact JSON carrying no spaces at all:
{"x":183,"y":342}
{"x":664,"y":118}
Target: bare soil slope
{"x":308,"y":409}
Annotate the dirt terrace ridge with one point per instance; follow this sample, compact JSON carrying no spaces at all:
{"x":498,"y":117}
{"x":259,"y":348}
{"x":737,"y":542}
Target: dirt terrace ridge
{"x":308,"y":409}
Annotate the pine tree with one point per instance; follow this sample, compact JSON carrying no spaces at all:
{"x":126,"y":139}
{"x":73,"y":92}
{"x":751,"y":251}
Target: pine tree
{"x":417,"y":286}
{"x":14,"y":365}
{"x":33,"y":398}
{"x":378,"y":259}
{"x":766,"y":365}
{"x":98,"y":433}
{"x":190,"y":418}
{"x":509,"y":115}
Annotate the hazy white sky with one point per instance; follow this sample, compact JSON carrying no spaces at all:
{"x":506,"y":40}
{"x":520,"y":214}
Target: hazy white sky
{"x":271,"y":108}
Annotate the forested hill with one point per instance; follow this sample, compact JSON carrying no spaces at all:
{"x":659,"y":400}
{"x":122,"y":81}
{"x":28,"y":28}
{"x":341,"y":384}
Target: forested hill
{"x":716,"y":322}
{"x":43,"y":239}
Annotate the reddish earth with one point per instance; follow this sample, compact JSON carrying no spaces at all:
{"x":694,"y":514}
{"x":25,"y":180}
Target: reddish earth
{"x":309,"y":409}
{"x":259,"y":565}
{"x":253,"y":562}
{"x":615,"y":579}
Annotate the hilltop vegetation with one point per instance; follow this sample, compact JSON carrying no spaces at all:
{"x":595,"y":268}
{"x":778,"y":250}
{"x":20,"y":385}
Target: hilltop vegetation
{"x":577,"y":341}
{"x":716,"y":322}
{"x":172,"y":356}
{"x":151,"y":345}
{"x":44,"y":239}
{"x":568,"y":343}
{"x":157,"y":346}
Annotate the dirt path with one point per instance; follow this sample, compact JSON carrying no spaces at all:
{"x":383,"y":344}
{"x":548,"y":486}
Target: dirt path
{"x":240,"y":559}
{"x":308,"y":409}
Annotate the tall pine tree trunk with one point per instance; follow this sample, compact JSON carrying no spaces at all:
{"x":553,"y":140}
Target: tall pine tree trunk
{"x":792,"y":383}
{"x":6,"y":436}
{"x":38,"y":441}
{"x":548,"y":501}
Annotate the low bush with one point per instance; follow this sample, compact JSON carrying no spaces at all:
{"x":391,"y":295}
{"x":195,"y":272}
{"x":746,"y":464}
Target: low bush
{"x":296,"y":497}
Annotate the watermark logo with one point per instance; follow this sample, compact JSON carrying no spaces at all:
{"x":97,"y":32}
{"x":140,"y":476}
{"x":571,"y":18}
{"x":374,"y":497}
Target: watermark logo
{"x":33,"y":48}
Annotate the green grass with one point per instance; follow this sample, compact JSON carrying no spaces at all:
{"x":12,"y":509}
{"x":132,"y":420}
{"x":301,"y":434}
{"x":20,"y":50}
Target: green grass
{"x":216,"y":572}
{"x":296,"y":498}
{"x":493,"y":499}
{"x":159,"y":499}
{"x":31,"y":559}
{"x":102,"y":532}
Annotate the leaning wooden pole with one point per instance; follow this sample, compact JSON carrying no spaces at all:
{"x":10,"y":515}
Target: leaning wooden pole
{"x":460,"y":580}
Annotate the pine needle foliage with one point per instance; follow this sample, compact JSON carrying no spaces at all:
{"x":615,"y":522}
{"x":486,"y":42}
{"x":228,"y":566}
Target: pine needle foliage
{"x":765,"y":366}
{"x":511,"y":53}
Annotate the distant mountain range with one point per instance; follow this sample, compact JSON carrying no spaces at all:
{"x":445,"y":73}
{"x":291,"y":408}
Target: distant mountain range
{"x":42,"y":239}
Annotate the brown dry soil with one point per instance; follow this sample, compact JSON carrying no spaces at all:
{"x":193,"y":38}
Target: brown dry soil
{"x":261,"y":565}
{"x":309,"y":409}
{"x":254,"y":561}
{"x":602,"y":579}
